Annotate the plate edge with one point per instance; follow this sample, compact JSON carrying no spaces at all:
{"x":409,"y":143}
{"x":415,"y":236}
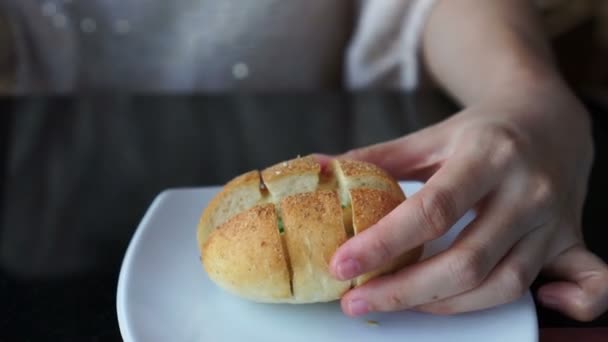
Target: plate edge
{"x":125,"y":266}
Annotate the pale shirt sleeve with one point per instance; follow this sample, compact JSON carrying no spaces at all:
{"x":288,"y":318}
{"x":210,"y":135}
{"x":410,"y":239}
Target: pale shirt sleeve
{"x":385,"y":49}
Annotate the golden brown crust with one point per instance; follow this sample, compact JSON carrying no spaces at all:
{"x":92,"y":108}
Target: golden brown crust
{"x":215,"y":212}
{"x":247,"y":250}
{"x":368,"y":207}
{"x":292,"y":177}
{"x":353,"y":168}
{"x":297,"y":167}
{"x":358,"y":174}
{"x":251,"y":177}
{"x":313,"y":231}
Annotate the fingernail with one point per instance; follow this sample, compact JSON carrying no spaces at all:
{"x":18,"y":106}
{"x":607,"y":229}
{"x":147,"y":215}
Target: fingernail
{"x":358,"y":307}
{"x":348,"y":269}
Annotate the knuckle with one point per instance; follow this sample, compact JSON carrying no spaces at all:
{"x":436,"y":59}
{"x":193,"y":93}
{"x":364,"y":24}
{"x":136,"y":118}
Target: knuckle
{"x":542,"y":191}
{"x":507,"y":144}
{"x":468,"y":268}
{"x":437,"y":209}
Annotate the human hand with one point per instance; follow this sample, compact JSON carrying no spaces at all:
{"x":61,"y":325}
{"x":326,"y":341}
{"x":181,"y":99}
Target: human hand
{"x":523,"y":165}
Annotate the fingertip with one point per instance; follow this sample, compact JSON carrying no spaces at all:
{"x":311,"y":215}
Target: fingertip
{"x":333,"y":266}
{"x":337,"y":256}
{"x":566,"y":298}
{"x":550,"y":301}
{"x":354,"y":306}
{"x":344,"y":307}
{"x":582,"y":294}
{"x":344,"y":265}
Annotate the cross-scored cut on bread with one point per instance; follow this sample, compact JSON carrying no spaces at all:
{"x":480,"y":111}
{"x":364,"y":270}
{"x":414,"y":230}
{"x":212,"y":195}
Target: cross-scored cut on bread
{"x":245,"y":256}
{"x":368,"y":207}
{"x":292,"y":177}
{"x":241,"y":193}
{"x":355,"y":174}
{"x":313,"y":232}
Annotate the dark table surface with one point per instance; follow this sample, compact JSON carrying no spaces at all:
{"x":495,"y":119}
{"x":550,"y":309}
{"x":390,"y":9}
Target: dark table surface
{"x":82,"y":307}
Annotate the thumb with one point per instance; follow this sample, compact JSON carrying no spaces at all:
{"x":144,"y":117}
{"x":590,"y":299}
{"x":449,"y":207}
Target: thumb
{"x":416,"y":156}
{"x":581,"y":287}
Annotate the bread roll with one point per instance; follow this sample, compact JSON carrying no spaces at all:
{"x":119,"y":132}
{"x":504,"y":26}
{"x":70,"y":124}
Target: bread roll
{"x":269,"y":236}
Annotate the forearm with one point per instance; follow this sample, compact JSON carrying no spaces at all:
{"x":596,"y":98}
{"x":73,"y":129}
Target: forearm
{"x":492,"y":55}
{"x":479,"y":49}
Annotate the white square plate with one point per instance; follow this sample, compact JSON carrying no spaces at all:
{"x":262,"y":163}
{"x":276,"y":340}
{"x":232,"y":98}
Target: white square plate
{"x":165,"y":295}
